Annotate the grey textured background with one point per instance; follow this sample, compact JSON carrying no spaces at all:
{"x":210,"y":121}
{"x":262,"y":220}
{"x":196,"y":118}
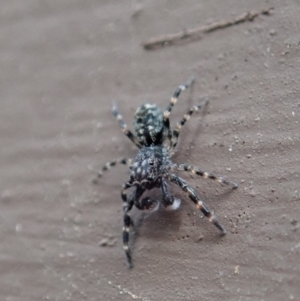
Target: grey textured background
{"x":61,"y":65}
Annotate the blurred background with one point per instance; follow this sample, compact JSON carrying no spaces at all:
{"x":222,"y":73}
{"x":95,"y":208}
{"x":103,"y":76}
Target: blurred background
{"x":62,"y":64}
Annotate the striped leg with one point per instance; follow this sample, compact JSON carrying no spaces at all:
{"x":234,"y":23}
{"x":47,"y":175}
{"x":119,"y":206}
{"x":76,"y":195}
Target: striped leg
{"x":128,"y":223}
{"x":172,"y":103}
{"x":124,"y":127}
{"x":200,"y":204}
{"x":196,"y":171}
{"x":169,"y":201}
{"x":181,"y":123}
{"x":108,"y":165}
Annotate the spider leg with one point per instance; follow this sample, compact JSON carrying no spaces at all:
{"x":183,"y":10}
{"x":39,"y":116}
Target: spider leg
{"x":146,"y":203}
{"x":173,"y":101}
{"x":181,"y":123}
{"x":195,"y":198}
{"x":128,"y":223}
{"x":108,"y":165}
{"x":124,"y":127}
{"x":169,"y":201}
{"x":197,"y":171}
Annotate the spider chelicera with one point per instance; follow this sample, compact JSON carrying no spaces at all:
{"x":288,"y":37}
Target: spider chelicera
{"x":152,"y":167}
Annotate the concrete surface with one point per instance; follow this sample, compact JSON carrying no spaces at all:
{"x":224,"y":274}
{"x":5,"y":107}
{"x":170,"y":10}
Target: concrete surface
{"x":62,"y":64}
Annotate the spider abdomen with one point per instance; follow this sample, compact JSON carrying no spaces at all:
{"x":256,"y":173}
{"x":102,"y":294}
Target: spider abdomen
{"x":148,"y":123}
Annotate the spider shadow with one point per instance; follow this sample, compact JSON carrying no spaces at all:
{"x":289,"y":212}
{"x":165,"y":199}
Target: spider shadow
{"x":204,"y":101}
{"x":156,"y":225}
{"x":162,"y":224}
{"x":211,"y":192}
{"x":199,"y":124}
{"x":216,"y":197}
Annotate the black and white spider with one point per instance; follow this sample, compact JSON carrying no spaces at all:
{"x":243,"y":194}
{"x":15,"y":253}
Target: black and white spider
{"x":152,"y":166}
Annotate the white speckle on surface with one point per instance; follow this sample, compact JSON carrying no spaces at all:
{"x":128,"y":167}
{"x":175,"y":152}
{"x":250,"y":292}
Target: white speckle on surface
{"x":19,"y":228}
{"x":236,"y":269}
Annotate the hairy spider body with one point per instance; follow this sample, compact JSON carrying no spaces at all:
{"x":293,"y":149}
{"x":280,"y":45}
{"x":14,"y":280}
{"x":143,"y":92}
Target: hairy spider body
{"x":152,"y":166}
{"x":149,"y":165}
{"x":148,"y":124}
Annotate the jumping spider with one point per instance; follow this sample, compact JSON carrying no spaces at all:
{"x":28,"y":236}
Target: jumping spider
{"x":152,"y":166}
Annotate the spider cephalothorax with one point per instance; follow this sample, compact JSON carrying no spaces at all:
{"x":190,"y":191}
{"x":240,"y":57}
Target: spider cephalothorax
{"x":152,"y":166}
{"x":149,"y":164}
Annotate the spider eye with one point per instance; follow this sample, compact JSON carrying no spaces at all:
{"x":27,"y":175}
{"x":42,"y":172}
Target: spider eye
{"x":151,"y":163}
